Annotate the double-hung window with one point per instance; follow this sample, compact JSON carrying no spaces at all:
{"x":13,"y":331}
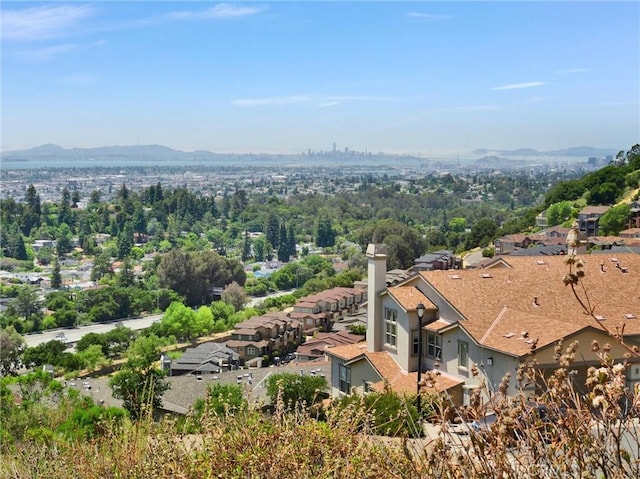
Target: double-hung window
{"x":390,"y":326}
{"x":434,"y":346}
{"x":345,"y":378}
{"x":463,"y":354}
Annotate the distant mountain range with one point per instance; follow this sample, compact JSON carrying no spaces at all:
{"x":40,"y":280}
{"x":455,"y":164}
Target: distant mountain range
{"x":585,"y":151}
{"x":140,"y":152}
{"x":163,"y":153}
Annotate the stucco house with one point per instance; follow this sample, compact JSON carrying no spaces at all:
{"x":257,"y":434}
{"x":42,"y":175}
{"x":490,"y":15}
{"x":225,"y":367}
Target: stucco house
{"x":266,"y":335}
{"x":320,"y":311}
{"x":589,"y":218}
{"x":489,"y":321}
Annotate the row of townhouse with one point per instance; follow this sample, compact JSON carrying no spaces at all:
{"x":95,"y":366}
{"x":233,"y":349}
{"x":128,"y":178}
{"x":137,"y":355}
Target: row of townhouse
{"x":589,"y":218}
{"x":320,"y":311}
{"x":269,"y":335}
{"x":480,"y":325}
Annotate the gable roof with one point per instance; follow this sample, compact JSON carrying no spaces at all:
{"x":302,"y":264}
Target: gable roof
{"x":531,"y":295}
{"x":409,"y":297}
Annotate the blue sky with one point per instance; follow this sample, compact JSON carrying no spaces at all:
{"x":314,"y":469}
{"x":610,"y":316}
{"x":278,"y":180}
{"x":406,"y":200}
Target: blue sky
{"x":420,"y":77}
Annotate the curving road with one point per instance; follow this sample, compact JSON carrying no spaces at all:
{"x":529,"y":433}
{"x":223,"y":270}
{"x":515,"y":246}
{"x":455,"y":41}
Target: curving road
{"x":74,"y":335}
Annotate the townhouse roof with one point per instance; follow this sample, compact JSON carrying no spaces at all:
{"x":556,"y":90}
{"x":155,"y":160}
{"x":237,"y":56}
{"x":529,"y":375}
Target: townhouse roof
{"x":594,"y":210}
{"x":317,"y":346}
{"x":550,"y":247}
{"x":244,"y":331}
{"x":530,"y":294}
{"x":348,"y":352}
{"x":631,"y":231}
{"x":409,"y":297}
{"x":234,"y":343}
{"x":404,"y":382}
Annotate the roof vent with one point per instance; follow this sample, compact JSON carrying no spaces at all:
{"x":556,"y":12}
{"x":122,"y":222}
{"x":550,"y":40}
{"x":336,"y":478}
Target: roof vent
{"x":629,"y":316}
{"x":600,"y":318}
{"x":455,"y":276}
{"x":614,"y":260}
{"x":486,"y":275}
{"x":535,"y":301}
{"x":541,"y":262}
{"x":524,"y":334}
{"x":509,"y":335}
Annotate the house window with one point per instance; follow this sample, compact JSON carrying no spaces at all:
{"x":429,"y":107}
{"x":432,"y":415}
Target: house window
{"x":463,"y":354}
{"x":434,"y":346}
{"x":415,"y":342}
{"x":390,"y":326}
{"x":345,"y":379}
{"x":251,"y":351}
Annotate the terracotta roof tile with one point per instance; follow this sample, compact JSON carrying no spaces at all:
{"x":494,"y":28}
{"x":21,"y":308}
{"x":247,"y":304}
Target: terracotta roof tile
{"x":409,"y":297}
{"x":613,"y":292}
{"x":348,"y":351}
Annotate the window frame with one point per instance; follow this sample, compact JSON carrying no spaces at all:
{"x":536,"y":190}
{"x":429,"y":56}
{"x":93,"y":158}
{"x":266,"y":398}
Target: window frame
{"x":344,"y":379}
{"x":463,"y":351}
{"x":391,"y":327}
{"x":434,"y":345}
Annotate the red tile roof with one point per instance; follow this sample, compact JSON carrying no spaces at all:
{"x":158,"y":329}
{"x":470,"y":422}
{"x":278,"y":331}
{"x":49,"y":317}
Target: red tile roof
{"x":505,"y":302}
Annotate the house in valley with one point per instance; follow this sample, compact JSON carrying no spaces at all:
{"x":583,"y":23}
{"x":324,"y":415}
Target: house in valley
{"x":479,"y":325}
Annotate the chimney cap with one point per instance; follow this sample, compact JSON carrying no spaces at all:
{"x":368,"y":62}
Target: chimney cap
{"x":377,"y":251}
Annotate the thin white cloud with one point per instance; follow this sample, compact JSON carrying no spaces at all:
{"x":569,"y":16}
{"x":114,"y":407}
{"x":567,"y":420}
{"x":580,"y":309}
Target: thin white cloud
{"x":572,"y":70}
{"x":430,"y":17}
{"x":328,"y":104}
{"x":536,"y":99}
{"x":45,"y":22}
{"x":517,"y":86}
{"x":221,"y":10}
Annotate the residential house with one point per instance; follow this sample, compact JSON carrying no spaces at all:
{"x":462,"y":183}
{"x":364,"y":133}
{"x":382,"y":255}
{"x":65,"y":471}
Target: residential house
{"x":269,"y":335}
{"x":634,"y":218}
{"x":206,"y":358}
{"x":320,"y":311}
{"x":315,"y":348}
{"x":630,"y":233}
{"x":482,"y":324}
{"x":509,"y":243}
{"x":588,"y":219}
{"x":442,"y":259}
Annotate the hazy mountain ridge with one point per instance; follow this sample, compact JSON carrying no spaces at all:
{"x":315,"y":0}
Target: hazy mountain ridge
{"x":585,"y":151}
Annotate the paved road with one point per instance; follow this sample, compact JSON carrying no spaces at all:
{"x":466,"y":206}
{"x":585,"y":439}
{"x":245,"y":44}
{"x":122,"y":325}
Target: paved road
{"x":74,"y":335}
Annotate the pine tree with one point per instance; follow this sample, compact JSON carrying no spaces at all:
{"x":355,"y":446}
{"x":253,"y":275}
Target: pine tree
{"x":56,"y":277}
{"x":246,"y":250}
{"x":283,"y":244}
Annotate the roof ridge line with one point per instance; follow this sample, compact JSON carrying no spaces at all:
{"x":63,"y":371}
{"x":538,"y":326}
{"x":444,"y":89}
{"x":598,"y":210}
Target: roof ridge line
{"x":493,"y":324}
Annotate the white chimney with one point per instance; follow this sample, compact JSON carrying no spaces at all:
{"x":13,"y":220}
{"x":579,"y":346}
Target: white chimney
{"x":376,"y":283}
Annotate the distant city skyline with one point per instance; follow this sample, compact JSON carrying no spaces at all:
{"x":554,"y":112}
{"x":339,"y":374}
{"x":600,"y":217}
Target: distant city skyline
{"x":287,"y":77}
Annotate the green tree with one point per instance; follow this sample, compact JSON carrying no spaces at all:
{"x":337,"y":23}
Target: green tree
{"x":457,"y":224}
{"x":246,"y":249}
{"x":12,"y":345}
{"x":125,"y":240}
{"x":139,"y":384}
{"x":559,"y":213}
{"x":56,"y":278}
{"x":614,"y":220}
{"x":482,"y":233}
{"x":295,"y":390}
{"x":225,"y":399}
